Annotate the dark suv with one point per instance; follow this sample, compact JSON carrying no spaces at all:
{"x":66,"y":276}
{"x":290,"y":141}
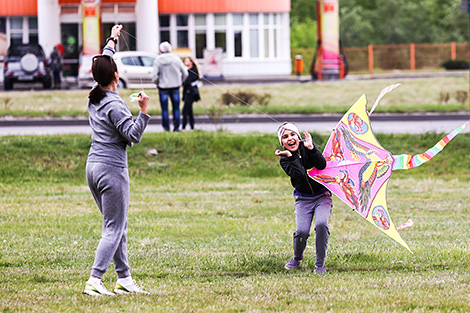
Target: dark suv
{"x":26,"y":63}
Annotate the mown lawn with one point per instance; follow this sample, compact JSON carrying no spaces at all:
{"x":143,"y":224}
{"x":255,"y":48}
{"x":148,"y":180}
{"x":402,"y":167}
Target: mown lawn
{"x":210,"y":229}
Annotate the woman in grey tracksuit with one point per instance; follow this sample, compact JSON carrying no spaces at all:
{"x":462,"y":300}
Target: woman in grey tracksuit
{"x":113,"y":129}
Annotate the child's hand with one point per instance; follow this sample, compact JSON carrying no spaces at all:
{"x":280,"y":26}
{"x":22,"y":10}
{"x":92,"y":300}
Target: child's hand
{"x":308,"y":143}
{"x":285,"y":152}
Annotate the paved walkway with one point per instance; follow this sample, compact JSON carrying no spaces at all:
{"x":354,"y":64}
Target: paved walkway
{"x":324,"y":124}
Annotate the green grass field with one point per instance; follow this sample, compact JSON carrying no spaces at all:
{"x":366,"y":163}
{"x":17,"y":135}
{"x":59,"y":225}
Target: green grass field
{"x":210,"y":229}
{"x":435,"y":94}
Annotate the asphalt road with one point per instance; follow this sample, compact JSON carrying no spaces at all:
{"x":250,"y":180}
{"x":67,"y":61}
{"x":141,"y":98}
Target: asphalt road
{"x":324,"y":124}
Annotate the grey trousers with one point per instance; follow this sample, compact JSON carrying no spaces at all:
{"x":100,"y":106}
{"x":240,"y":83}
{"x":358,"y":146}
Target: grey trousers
{"x":110,"y":188}
{"x":306,"y":208}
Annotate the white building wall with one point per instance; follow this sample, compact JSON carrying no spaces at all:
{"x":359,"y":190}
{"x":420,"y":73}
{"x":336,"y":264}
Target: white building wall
{"x":48,"y":24}
{"x":146,"y":24}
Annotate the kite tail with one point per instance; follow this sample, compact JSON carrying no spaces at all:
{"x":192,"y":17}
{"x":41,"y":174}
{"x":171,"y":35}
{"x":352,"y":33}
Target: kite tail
{"x":381,"y":95}
{"x":405,"y":161}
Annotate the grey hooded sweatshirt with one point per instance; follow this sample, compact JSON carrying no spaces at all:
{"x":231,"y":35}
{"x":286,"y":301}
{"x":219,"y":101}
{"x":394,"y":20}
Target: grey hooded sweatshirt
{"x":169,"y":71}
{"x":113,"y":128}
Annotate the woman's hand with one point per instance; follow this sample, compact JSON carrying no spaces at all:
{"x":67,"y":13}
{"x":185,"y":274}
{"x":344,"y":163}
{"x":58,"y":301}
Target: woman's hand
{"x":143,"y":102}
{"x":285,"y":152}
{"x":116,"y":31}
{"x":308,"y":143}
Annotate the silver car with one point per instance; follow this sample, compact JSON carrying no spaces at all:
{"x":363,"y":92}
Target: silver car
{"x":135,"y":69}
{"x":26,"y":63}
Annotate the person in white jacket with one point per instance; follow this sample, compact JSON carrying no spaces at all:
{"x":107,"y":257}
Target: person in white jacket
{"x":169,"y":72}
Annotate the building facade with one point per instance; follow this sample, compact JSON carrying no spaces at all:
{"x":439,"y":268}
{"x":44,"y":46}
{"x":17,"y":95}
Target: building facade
{"x":246,"y":37}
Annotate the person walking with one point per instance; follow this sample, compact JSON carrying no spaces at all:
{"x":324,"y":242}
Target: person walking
{"x":113,"y":129}
{"x":312,"y":200}
{"x":190,"y":91}
{"x":55,"y":61}
{"x":169,"y":73}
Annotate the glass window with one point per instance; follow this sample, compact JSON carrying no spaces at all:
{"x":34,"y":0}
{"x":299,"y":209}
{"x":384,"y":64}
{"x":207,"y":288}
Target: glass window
{"x":3,"y":25}
{"x":16,"y":39}
{"x":200,"y":19}
{"x":182,"y":38}
{"x":201,"y":39}
{"x":254,"y":50}
{"x":237,"y":19}
{"x":238,"y":43}
{"x":181,"y":20}
{"x":253,"y":19}
{"x":221,"y":39}
{"x":275,"y":43}
{"x":220,"y":19}
{"x":147,"y":61}
{"x":33,"y":38}
{"x":33,"y":29}
{"x":132,"y":61}
{"x":164,"y":20}
{"x":16,"y":23}
{"x":127,"y":40}
{"x":33,"y":23}
{"x":165,"y":35}
{"x":266,"y":19}
{"x":266,"y":43}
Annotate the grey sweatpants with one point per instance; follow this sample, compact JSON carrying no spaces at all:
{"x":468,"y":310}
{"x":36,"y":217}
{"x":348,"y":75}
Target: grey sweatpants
{"x":110,"y":188}
{"x":306,"y":208}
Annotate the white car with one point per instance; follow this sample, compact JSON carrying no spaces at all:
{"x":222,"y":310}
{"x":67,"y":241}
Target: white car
{"x":135,"y":69}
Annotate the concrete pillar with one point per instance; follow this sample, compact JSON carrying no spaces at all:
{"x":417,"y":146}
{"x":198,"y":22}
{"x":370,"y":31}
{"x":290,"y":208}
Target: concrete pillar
{"x":147,"y":26}
{"x":48,"y":24}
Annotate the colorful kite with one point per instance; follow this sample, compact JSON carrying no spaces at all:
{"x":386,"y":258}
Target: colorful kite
{"x":358,"y":167}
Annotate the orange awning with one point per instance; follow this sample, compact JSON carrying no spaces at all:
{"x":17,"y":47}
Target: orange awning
{"x":102,"y":1}
{"x":223,"y":6}
{"x":18,"y":7}
{"x":30,"y":7}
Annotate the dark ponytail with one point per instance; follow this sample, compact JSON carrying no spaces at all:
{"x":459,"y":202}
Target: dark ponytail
{"x":96,"y":94}
{"x":103,"y":69}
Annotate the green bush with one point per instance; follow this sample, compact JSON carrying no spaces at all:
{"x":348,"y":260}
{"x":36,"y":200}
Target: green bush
{"x":455,"y":65}
{"x":245,"y":98}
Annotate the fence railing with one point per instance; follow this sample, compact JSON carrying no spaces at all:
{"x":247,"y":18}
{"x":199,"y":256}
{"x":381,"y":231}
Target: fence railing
{"x":394,"y":57}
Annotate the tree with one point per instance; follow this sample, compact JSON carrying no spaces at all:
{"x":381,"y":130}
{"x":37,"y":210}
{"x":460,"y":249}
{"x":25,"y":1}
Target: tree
{"x":364,"y":22}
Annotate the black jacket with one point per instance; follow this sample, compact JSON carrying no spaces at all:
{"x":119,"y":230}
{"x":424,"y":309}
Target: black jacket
{"x":297,"y":165}
{"x":190,"y":89}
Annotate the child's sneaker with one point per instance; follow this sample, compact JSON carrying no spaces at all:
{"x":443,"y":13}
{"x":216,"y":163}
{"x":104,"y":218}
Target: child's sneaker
{"x":320,"y":270}
{"x":293,"y":264}
{"x":95,"y":287}
{"x":123,"y":288}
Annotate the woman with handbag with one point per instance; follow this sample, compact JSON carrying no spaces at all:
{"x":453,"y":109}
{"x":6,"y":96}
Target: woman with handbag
{"x":190,"y":91}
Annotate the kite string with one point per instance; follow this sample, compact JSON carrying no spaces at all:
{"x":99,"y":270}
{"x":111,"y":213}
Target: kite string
{"x":132,"y":58}
{"x":215,"y":85}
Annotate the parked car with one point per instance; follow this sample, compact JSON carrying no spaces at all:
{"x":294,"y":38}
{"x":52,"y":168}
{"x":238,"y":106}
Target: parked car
{"x":135,"y":69}
{"x":26,"y":63}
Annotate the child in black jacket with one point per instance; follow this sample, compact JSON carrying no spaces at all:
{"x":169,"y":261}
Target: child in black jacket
{"x":311,"y":198}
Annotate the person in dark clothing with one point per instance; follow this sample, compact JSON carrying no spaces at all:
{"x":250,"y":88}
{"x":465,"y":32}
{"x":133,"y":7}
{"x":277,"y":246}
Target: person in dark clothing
{"x":312,"y":200}
{"x":55,"y":61}
{"x":190,"y":91}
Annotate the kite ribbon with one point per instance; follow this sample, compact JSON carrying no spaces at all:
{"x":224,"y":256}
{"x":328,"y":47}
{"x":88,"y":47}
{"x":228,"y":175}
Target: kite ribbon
{"x":381,"y":95}
{"x":405,"y":161}
{"x":406,"y":224}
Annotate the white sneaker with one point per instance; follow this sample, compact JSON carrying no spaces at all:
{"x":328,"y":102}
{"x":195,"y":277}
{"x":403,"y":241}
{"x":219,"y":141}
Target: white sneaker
{"x":123,"y":288}
{"x":95,"y":287}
